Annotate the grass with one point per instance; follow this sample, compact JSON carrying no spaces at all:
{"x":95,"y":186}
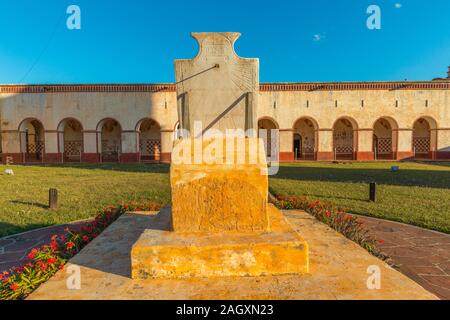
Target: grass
{"x":419,"y":194}
{"x":82,"y":190}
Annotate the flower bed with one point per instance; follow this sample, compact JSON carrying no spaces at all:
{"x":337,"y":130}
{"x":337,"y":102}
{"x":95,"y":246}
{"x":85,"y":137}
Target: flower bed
{"x":336,"y":218}
{"x":42,"y":263}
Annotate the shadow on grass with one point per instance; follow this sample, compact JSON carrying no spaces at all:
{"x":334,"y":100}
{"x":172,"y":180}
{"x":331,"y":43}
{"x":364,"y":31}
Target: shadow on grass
{"x":122,"y":167}
{"x":422,"y":178}
{"x":30,"y":203}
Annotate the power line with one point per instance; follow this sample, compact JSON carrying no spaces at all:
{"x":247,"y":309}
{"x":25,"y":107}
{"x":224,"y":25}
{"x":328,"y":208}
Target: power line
{"x":36,"y":61}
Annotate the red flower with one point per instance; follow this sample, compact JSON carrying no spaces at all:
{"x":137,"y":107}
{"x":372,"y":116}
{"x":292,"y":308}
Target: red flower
{"x":14,"y":287}
{"x":70,"y":245}
{"x":42,"y":265}
{"x":32,"y":254}
{"x":1,"y":276}
{"x":51,"y":261}
{"x":62,"y":237}
{"x":61,"y":267}
{"x":381,"y":242}
{"x":85,"y":238}
{"x":53,"y":245}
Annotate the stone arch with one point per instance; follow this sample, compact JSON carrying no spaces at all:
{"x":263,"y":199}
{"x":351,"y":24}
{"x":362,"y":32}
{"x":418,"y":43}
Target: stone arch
{"x":305,"y":138}
{"x":345,"y":138}
{"x":70,"y":139}
{"x":424,"y":137}
{"x":385,"y":138}
{"x":149,"y":132}
{"x":32,"y":140}
{"x":266,"y":125}
{"x":109,"y":140}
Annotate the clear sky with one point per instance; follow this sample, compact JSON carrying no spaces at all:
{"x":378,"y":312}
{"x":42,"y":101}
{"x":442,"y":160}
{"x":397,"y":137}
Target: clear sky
{"x":136,"y":41}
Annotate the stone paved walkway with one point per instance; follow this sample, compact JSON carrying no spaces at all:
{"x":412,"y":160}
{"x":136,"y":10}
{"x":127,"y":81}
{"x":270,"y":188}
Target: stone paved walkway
{"x":422,"y":255}
{"x":13,"y":249}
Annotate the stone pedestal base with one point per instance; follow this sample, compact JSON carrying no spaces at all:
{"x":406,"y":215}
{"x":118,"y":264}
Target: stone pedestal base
{"x":173,"y":255}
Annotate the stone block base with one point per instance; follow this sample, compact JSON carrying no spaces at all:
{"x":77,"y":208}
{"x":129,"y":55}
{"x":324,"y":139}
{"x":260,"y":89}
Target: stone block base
{"x":172,"y":255}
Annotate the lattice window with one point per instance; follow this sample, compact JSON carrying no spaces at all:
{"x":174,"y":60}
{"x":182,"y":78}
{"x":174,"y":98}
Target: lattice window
{"x":343,"y":142}
{"x":384,"y":146}
{"x":344,"y":149}
{"x":36,"y":147}
{"x":72,"y":148}
{"x":422,"y":144}
{"x":150,"y":147}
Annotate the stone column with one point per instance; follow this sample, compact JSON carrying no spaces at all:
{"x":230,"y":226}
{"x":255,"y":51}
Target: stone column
{"x":404,"y":144}
{"x":51,"y":152}
{"x":325,"y":145}
{"x":91,"y":152}
{"x":286,"y":145}
{"x":130,"y":149}
{"x":166,"y":145}
{"x":365,"y":145}
{"x":11,"y":146}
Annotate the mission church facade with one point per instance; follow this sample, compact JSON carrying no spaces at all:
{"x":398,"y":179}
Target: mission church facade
{"x":360,"y":121}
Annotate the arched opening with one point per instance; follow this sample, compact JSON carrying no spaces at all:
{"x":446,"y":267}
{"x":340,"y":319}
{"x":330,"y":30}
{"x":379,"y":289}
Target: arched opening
{"x":266,"y":131}
{"x":70,"y":139}
{"x":32,"y":140}
{"x":424,"y":138}
{"x":149,"y":140}
{"x":305,"y":139}
{"x":345,"y":139}
{"x":385,"y":139}
{"x":110,"y":140}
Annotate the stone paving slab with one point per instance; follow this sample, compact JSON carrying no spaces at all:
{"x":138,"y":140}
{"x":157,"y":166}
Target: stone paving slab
{"x":338,"y":270}
{"x":423,"y":255}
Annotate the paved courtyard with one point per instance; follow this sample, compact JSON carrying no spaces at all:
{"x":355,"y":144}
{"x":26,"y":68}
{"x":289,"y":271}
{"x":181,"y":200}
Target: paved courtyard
{"x":338,"y":270}
{"x":423,"y":255}
{"x":420,"y":254}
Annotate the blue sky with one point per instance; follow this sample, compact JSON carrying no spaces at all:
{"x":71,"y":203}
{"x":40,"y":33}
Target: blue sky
{"x":136,"y":41}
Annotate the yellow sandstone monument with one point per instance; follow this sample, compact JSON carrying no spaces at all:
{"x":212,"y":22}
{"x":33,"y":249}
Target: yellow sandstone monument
{"x":222,"y":224}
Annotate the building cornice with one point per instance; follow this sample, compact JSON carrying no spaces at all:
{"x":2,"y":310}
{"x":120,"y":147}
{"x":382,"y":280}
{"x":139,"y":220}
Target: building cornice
{"x":350,"y":86}
{"x":264,"y":87}
{"x":55,"y":88}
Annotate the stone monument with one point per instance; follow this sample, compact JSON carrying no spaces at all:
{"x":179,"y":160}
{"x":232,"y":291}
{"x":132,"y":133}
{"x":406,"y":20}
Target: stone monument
{"x":222,"y":223}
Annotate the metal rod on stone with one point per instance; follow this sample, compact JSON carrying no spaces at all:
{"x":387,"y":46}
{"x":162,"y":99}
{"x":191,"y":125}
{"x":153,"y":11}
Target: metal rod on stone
{"x":373,"y":192}
{"x":53,"y":199}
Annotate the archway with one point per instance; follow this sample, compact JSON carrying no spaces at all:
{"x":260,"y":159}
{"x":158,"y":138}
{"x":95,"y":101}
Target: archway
{"x":110,"y":140}
{"x":70,"y":139}
{"x":32,"y":140}
{"x":149,"y":140}
{"x":305,"y":139}
{"x":384,"y":138}
{"x":265,"y":131}
{"x":424,"y":138}
{"x":345,"y":139}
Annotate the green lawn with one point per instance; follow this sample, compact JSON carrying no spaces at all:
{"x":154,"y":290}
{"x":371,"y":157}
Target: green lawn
{"x":83,"y":189}
{"x":418,"y":194}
